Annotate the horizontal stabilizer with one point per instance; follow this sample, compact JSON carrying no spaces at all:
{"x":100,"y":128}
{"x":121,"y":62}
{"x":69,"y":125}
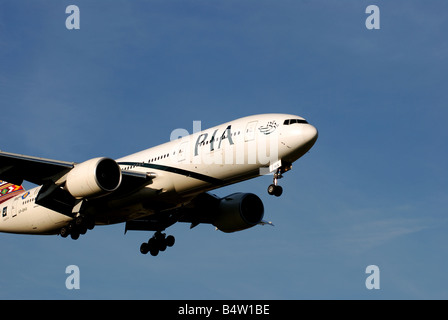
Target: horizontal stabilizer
{"x":264,"y":222}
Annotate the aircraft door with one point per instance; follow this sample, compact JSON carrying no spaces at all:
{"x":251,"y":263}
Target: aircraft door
{"x":15,"y":204}
{"x":250,"y":131}
{"x":10,"y":211}
{"x":5,"y":213}
{"x":182,"y":151}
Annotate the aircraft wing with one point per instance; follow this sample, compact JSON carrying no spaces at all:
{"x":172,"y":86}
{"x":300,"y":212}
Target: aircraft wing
{"x":15,"y":168}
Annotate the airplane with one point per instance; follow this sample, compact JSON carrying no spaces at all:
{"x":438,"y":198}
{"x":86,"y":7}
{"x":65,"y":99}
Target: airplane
{"x":155,"y":188}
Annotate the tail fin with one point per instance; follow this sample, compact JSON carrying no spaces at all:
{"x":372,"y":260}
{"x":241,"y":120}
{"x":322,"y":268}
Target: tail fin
{"x":8,"y":190}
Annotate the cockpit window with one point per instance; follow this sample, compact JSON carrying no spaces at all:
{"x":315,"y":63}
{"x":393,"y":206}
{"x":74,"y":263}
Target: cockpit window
{"x":291,"y":121}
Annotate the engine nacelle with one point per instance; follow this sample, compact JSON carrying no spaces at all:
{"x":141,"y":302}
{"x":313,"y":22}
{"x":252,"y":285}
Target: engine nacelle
{"x":239,"y":211}
{"x":93,"y":178}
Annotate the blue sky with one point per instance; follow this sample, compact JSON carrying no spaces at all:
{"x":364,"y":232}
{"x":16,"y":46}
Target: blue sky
{"x":372,"y":191}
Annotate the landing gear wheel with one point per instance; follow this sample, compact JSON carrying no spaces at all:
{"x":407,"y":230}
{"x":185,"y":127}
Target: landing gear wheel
{"x":90,"y":223}
{"x":64,"y":232}
{"x":170,"y":241}
{"x":144,"y":248}
{"x":82,"y":229}
{"x":78,"y":226}
{"x":158,"y":243}
{"x":278,"y":191}
{"x":74,"y":235}
{"x":153,"y":247}
{"x":162,"y":245}
{"x":271,"y":189}
{"x":275,"y":190}
{"x":79,"y":221}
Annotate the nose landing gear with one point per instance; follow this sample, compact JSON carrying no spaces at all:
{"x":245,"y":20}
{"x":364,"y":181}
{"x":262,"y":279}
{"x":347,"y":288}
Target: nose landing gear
{"x":275,"y":189}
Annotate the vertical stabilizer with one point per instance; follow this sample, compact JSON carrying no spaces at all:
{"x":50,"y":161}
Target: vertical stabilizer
{"x":8,"y":190}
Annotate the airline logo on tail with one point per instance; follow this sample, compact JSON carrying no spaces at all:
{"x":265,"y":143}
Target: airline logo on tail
{"x":7,"y":190}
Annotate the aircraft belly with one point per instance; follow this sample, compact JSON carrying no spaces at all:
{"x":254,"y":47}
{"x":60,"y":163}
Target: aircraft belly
{"x":37,"y":220}
{"x":142,"y":203}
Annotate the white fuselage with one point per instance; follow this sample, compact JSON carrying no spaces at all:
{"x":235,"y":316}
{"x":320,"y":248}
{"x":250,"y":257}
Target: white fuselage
{"x":234,"y":151}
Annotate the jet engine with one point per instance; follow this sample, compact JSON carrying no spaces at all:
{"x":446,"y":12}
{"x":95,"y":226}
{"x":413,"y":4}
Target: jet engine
{"x":239,"y":211}
{"x":93,"y":178}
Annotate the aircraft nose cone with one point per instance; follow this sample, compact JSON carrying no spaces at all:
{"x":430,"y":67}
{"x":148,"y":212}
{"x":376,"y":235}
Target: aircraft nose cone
{"x":310,"y":133}
{"x":298,"y":140}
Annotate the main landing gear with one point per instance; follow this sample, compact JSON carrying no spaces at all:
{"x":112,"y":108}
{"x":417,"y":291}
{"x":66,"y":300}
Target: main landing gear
{"x":78,"y":226}
{"x":158,"y":242}
{"x":275,"y":189}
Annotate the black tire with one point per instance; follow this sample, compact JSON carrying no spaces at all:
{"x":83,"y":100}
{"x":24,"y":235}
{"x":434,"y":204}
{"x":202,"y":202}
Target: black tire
{"x":79,"y":221}
{"x":278,"y":191}
{"x":64,"y":232}
{"x":153,"y":246}
{"x":271,"y":189}
{"x":170,"y":240}
{"x":144,"y":248}
{"x":162,"y":244}
{"x":90,"y":223}
{"x":74,"y":235}
{"x":82,"y":229}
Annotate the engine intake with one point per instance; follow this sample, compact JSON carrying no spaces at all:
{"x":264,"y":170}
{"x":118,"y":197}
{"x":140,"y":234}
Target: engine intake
{"x":93,"y":178}
{"x":239,"y":211}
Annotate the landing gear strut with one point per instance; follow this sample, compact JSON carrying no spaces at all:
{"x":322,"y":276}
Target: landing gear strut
{"x":158,"y":242}
{"x":275,"y":189}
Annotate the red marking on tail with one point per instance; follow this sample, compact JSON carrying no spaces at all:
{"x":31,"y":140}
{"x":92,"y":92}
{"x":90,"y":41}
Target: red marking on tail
{"x":8,"y":190}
